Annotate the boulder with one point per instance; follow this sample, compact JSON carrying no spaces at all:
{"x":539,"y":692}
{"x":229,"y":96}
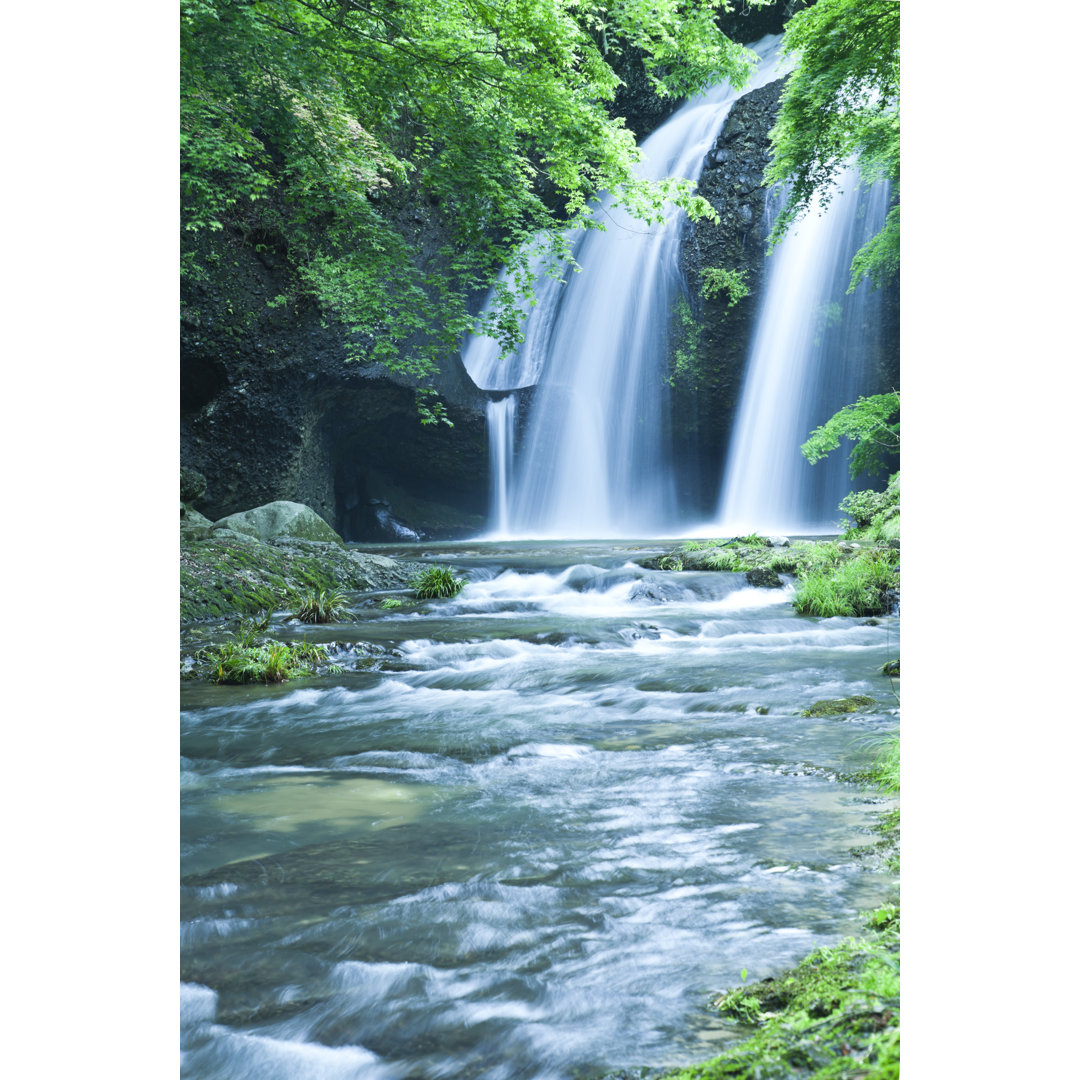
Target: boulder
{"x":192,"y":485}
{"x":279,"y":519}
{"x":193,"y":525}
{"x":763,"y":578}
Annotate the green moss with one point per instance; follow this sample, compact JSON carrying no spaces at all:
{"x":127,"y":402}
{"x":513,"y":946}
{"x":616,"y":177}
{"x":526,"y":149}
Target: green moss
{"x":834,"y":1017}
{"x":839,"y":706}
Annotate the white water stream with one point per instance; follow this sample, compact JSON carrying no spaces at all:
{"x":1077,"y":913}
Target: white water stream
{"x":806,"y":362}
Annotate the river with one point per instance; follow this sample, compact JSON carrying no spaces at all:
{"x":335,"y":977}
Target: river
{"x":527,"y":831}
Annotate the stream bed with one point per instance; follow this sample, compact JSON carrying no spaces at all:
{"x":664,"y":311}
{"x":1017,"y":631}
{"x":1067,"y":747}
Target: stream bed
{"x":553,"y":817}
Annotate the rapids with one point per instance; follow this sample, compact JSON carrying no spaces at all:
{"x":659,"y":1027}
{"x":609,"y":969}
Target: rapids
{"x":527,"y":831}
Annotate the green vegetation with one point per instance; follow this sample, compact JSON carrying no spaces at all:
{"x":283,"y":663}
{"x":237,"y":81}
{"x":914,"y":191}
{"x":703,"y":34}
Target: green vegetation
{"x":842,"y":101}
{"x":222,"y":578}
{"x":835,"y":1017}
{"x":322,"y":606}
{"x":725,"y":561}
{"x":390,"y":603}
{"x":715,"y":279}
{"x":436,"y":582}
{"x":670,"y":562}
{"x":307,"y":125}
{"x":860,"y":585}
{"x":685,"y":373}
{"x":872,"y":423}
{"x":839,"y":706}
{"x":250,"y":658}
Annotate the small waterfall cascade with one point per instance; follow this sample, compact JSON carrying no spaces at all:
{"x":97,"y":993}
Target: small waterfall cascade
{"x":501,"y":415}
{"x":592,"y":460}
{"x":809,"y":357}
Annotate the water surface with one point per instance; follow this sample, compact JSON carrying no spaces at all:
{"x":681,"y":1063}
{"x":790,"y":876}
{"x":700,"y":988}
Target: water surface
{"x":533,"y":834}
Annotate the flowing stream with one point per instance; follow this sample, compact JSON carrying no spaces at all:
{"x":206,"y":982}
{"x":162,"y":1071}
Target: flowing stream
{"x":527,"y":832}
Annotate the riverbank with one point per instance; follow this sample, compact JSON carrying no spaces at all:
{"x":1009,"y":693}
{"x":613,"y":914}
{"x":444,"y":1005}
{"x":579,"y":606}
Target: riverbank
{"x":232,"y":577}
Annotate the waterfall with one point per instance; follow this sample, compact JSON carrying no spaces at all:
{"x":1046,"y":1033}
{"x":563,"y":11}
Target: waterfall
{"x":501,"y":414}
{"x":807,"y":360}
{"x":592,"y":460}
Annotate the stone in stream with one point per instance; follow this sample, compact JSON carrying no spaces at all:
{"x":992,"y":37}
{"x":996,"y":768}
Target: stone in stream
{"x":764,"y":578}
{"x":839,"y":706}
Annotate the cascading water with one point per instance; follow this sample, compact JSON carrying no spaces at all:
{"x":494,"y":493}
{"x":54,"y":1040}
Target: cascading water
{"x":593,"y":461}
{"x":807,"y":360}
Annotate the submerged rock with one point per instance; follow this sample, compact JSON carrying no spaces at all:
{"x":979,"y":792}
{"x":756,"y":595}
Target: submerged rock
{"x":279,"y":519}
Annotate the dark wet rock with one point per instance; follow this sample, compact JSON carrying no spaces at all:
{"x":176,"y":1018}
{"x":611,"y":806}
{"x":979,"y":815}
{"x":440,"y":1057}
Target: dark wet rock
{"x":891,"y":667}
{"x":192,"y":485}
{"x":839,"y":706}
{"x":764,"y":578}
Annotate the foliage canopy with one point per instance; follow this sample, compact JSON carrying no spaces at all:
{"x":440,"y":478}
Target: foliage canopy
{"x":305,"y":122}
{"x":872,"y":423}
{"x":842,"y":101}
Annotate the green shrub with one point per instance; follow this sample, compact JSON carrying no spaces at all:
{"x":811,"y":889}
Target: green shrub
{"x":876,"y":514}
{"x":244,"y":661}
{"x":321,"y":606}
{"x":437,"y":581}
{"x":859,"y":586}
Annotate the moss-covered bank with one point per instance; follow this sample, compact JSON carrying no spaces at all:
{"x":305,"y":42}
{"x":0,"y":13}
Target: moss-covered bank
{"x":225,"y":578}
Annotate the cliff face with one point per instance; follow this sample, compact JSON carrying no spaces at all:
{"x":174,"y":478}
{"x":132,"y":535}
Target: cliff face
{"x":271,"y":409}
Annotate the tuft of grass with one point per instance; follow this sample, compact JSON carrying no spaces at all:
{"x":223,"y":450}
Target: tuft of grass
{"x":725,"y":560}
{"x":321,"y":606}
{"x":691,"y":545}
{"x":389,"y":603}
{"x":669,"y":562}
{"x":437,"y":582}
{"x":243,"y":661}
{"x":858,"y":586}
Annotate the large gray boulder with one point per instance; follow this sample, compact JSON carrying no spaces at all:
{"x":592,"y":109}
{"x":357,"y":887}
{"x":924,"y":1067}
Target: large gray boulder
{"x":279,"y":519}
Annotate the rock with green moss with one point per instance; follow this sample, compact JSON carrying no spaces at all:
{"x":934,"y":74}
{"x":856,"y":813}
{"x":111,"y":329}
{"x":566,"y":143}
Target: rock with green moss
{"x":764,"y":577}
{"x":231,"y":574}
{"x":280,"y":519}
{"x":839,"y":706}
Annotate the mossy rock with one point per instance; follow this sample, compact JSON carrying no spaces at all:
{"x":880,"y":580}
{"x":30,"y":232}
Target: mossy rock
{"x":764,"y":577}
{"x":279,"y":519}
{"x":890,"y":667}
{"x":839,"y":706}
